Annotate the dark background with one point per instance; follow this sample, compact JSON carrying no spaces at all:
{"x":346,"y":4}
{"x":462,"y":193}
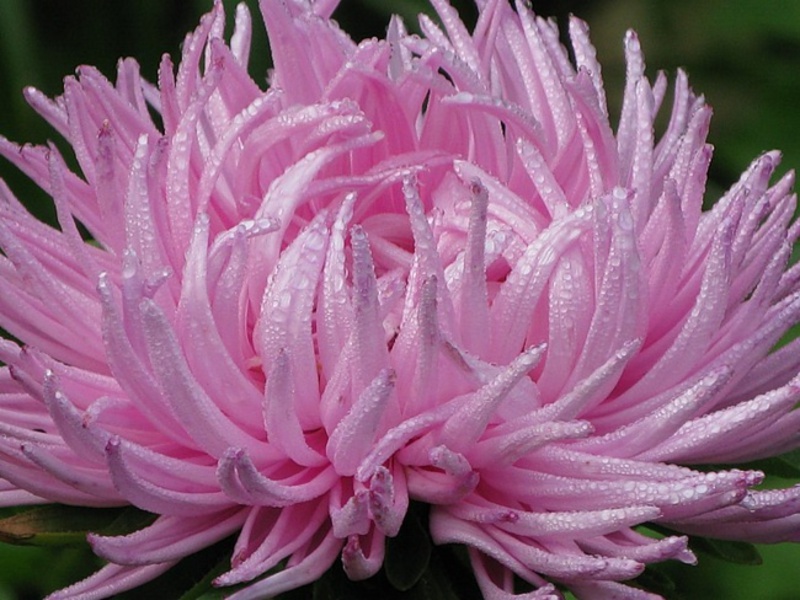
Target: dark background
{"x":744,"y":55}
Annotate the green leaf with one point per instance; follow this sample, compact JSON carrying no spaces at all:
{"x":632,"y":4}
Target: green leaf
{"x":454,"y":566}
{"x":777,"y":466}
{"x":60,"y":525}
{"x":792,"y":458}
{"x":408,"y":554}
{"x":446,"y":577}
{"x":334,"y":585}
{"x":740,"y":553}
{"x":128,"y":520}
{"x":436,"y":582}
{"x":203,"y":590}
{"x":656,"y":579}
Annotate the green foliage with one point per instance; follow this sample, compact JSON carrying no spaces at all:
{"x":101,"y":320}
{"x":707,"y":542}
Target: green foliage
{"x":408,"y":554}
{"x":740,"y":553}
{"x":202,"y":589}
{"x":657,"y":579}
{"x":60,"y":525}
{"x":32,"y":572}
{"x":785,"y":467}
{"x":742,"y":55}
{"x":444,"y":577}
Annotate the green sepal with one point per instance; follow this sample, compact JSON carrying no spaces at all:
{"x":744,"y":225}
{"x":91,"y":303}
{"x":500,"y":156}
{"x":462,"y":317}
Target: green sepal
{"x":61,"y":525}
{"x":740,"y":553}
{"x":408,"y":554}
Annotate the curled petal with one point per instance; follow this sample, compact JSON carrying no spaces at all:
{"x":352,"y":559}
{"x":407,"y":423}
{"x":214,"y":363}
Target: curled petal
{"x":154,"y":497}
{"x":243,"y":482}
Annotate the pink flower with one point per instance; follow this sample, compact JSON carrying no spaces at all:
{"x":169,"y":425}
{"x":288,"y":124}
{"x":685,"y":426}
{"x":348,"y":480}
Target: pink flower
{"x":419,"y":268}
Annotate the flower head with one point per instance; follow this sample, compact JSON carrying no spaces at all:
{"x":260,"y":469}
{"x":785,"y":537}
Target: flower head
{"x":423,"y":268}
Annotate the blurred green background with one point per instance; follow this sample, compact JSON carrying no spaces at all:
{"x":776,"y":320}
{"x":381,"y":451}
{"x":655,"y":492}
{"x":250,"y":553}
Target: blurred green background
{"x":744,"y":55}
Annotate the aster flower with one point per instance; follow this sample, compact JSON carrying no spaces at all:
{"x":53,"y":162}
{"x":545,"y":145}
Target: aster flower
{"x":421,"y":269}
